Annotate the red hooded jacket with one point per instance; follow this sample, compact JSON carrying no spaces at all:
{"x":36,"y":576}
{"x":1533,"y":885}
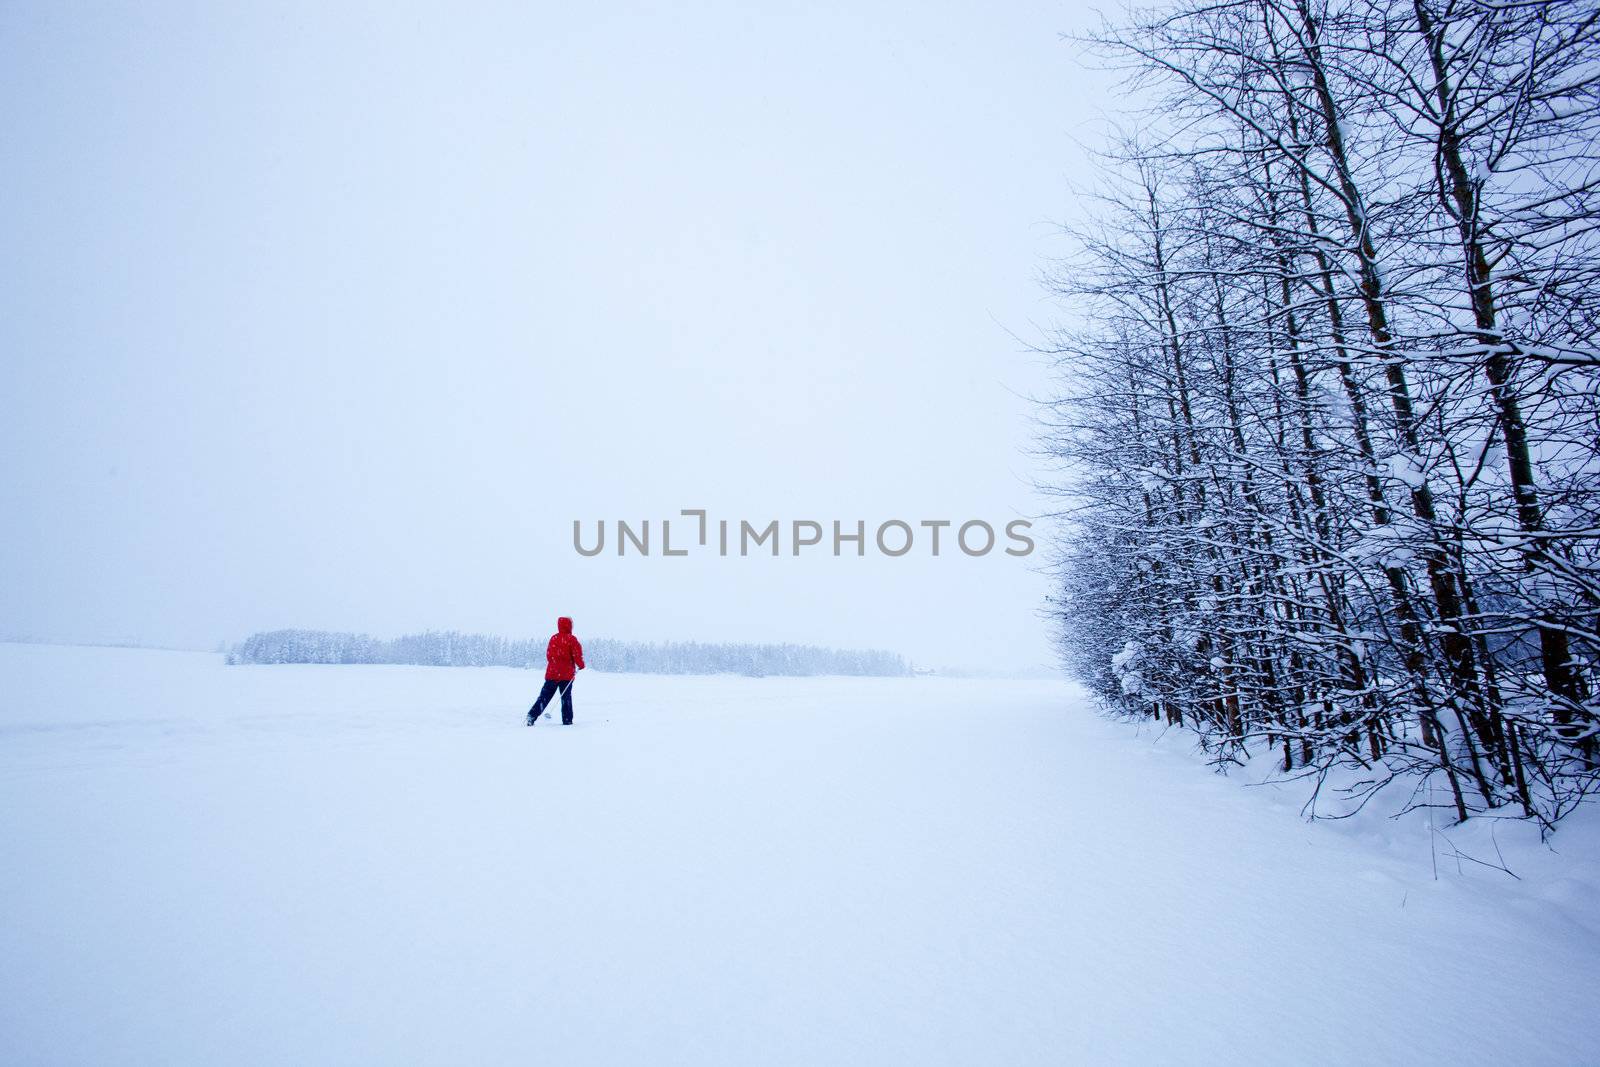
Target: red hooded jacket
{"x":564,"y":654}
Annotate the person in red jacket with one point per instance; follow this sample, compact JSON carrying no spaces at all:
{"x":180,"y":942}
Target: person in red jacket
{"x":564,"y":658}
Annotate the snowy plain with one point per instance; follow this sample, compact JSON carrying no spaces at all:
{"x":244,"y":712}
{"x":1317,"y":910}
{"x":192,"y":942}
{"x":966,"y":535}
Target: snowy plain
{"x":334,"y":865}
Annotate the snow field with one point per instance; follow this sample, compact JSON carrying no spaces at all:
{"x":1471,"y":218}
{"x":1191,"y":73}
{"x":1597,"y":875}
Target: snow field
{"x":204,"y":864}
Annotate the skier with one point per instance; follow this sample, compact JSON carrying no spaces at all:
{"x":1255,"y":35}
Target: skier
{"x":563,"y":655}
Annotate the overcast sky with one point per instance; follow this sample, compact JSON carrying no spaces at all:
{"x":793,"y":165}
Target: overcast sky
{"x":338,"y":315}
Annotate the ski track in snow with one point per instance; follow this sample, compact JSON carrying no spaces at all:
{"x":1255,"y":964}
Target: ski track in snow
{"x":266,"y":865}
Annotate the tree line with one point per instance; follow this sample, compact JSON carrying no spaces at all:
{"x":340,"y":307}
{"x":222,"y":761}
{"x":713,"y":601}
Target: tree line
{"x":451,"y":649}
{"x":1328,"y":405}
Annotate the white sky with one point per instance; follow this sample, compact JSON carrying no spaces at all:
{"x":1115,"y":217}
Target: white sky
{"x":337,"y":316}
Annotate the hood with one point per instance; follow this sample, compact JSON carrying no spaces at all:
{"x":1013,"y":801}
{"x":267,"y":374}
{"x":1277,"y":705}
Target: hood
{"x":564,"y":625}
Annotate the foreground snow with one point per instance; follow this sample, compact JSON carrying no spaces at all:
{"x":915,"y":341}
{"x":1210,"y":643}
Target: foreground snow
{"x":209,"y":864}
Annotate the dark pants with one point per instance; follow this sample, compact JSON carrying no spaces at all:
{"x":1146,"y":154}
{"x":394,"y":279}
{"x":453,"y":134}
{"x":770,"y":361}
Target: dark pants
{"x":549,"y":691}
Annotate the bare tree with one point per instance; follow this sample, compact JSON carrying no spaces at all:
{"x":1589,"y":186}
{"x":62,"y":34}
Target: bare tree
{"x":1327,"y":416}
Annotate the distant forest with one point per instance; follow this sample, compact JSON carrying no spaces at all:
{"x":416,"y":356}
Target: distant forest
{"x":450,"y":649}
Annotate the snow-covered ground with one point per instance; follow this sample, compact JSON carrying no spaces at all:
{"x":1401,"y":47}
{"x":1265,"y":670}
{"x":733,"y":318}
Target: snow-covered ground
{"x":336,"y":865}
